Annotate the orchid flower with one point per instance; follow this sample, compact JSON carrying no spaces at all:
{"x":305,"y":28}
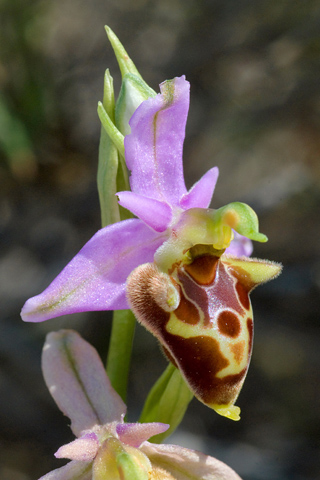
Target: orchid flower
{"x":180,"y":265}
{"x":106,"y":447}
{"x":95,"y":279}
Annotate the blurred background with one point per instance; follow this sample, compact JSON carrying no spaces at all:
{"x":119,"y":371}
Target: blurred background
{"x":254,"y":68}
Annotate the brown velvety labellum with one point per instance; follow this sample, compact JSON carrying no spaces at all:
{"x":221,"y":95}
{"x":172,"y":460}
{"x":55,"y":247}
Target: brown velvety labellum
{"x":209,"y":335}
{"x":145,"y":308}
{"x":202,"y":359}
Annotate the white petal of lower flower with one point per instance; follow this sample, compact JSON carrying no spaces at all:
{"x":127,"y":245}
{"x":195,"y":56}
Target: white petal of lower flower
{"x":185,"y":464}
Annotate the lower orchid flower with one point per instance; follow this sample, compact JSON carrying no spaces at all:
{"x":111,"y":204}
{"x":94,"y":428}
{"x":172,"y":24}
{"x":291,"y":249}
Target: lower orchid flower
{"x":180,"y":266}
{"x":107,"y":448}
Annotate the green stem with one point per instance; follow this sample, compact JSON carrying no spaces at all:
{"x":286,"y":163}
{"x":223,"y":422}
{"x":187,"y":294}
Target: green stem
{"x":119,"y":354}
{"x":112,"y":178}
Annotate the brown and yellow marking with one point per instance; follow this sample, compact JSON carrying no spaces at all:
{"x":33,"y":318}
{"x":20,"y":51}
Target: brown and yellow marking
{"x":243,"y":276}
{"x":229,"y":324}
{"x":238,"y":350}
{"x":221,"y":294}
{"x":200,"y":359}
{"x":225,"y":390}
{"x":187,"y":312}
{"x":203,"y":269}
{"x":252,"y":271}
{"x":243,"y":295}
{"x":250,"y":332}
{"x":197,"y":294}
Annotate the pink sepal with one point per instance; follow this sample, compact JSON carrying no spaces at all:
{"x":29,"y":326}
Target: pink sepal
{"x":240,"y":246}
{"x":154,"y":148}
{"x":74,"y":469}
{"x":134,"y":434}
{"x":77,"y":381}
{"x":83,"y":449}
{"x":95,"y":279}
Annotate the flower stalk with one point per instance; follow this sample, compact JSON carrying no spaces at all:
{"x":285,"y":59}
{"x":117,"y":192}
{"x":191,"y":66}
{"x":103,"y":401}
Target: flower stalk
{"x":113,"y":176}
{"x":120,"y":348}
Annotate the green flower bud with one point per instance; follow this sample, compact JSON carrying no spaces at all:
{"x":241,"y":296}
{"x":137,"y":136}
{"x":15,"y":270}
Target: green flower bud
{"x":112,"y":170}
{"x":133,"y":92}
{"x":117,"y":461}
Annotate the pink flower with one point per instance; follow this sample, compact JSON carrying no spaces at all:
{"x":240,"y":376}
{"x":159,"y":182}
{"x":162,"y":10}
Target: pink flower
{"x":96,"y":277}
{"x":106,"y":448}
{"x":180,"y":266}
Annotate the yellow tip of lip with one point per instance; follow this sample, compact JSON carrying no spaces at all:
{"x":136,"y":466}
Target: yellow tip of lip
{"x":229,"y":411}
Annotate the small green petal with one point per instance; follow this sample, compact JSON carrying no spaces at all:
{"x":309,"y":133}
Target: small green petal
{"x":200,"y":226}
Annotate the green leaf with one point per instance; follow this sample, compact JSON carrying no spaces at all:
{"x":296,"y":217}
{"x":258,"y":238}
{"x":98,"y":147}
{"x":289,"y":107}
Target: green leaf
{"x":116,"y":136}
{"x":126,"y":65}
{"x":119,"y":353}
{"x":167,"y":402}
